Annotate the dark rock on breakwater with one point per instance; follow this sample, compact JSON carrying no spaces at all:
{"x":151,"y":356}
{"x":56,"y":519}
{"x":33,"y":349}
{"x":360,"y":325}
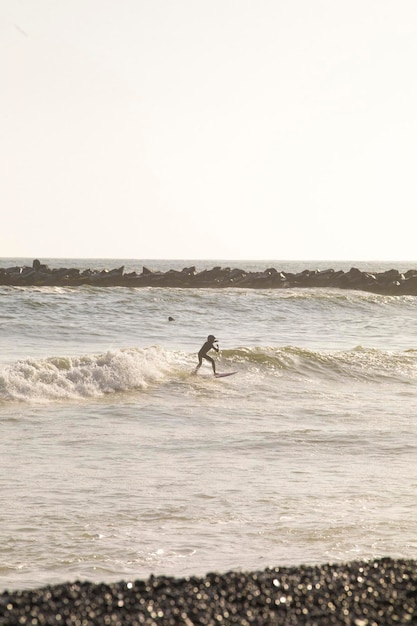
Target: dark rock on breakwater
{"x":376,"y":593}
{"x":391,"y":282}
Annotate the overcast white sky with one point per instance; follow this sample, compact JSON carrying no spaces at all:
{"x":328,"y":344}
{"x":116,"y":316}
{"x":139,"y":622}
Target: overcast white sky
{"x":203,"y":129}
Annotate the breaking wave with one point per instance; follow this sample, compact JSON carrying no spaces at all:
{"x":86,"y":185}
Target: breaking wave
{"x":58,"y":378}
{"x":138,"y":369}
{"x":359,"y":363}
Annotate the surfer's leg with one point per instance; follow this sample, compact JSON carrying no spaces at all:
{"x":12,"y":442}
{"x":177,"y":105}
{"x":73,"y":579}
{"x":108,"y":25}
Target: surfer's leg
{"x":200,"y":360}
{"x":213,"y":365}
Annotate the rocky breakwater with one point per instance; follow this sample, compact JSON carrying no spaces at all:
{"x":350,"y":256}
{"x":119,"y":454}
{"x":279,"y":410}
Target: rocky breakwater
{"x":391,"y":282}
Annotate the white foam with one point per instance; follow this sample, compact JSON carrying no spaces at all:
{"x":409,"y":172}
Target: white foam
{"x":86,"y":376}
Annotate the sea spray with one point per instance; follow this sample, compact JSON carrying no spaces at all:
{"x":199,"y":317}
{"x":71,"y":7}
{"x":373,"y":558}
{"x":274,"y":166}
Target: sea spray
{"x":59,"y":378}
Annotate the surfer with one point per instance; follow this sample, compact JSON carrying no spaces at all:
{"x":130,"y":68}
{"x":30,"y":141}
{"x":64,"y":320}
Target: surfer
{"x":208,"y":345}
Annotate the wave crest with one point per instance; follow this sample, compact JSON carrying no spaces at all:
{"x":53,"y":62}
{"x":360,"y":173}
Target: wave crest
{"x":136,"y":369}
{"x":58,"y":378}
{"x":359,"y":363}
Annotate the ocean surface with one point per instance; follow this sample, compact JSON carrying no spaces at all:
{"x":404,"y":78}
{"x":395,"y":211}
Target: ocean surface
{"x":116,"y":462}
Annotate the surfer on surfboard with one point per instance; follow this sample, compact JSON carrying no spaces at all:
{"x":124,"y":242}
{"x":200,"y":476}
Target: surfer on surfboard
{"x":208,"y":345}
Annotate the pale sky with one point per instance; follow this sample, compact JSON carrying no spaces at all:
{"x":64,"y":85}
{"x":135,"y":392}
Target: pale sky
{"x":208,"y":129}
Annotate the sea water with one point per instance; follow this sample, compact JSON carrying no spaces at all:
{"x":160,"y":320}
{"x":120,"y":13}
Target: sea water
{"x":116,"y":461}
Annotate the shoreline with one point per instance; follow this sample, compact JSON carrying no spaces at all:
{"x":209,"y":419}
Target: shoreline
{"x":380,"y":592}
{"x":390,"y":282}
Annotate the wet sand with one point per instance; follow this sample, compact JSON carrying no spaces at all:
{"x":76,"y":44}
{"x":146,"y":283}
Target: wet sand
{"x":374,"y":593}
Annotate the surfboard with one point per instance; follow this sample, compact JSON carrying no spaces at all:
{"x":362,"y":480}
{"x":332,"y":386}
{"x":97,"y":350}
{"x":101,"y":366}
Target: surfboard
{"x":224,"y":374}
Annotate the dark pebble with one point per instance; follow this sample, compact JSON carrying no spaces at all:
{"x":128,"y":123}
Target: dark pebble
{"x":372,"y":593}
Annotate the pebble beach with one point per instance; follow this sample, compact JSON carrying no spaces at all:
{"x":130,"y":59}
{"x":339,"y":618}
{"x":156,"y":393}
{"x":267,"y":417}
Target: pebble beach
{"x":375,"y":593}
